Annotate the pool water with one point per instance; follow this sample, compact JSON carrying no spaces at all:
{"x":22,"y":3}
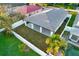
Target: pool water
{"x":72,"y":51}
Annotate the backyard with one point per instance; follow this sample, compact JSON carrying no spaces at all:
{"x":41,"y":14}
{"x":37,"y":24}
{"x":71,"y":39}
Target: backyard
{"x":32,"y":36}
{"x":11,"y":46}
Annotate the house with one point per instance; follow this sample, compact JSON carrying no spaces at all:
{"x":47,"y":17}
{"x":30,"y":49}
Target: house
{"x":26,"y":9}
{"x":73,"y":35}
{"x":11,"y":6}
{"x":47,"y":22}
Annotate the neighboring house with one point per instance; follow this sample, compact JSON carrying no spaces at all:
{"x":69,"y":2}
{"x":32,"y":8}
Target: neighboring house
{"x":77,"y":8}
{"x":47,"y":22}
{"x":26,"y":9}
{"x":9,"y":6}
{"x":29,"y":9}
{"x":73,"y":31}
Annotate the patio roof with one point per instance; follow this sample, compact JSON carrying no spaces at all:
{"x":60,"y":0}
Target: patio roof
{"x":75,"y":31}
{"x":50,"y":19}
{"x":71,"y":30}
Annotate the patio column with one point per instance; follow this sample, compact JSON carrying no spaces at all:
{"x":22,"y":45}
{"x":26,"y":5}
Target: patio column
{"x":51,"y":33}
{"x":40,"y":29}
{"x":25,"y":23}
{"x":70,"y":36}
{"x":32,"y":26}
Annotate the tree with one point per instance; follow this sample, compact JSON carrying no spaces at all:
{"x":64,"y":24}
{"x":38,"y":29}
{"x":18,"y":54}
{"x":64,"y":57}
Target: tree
{"x":42,"y":4}
{"x":2,"y":9}
{"x":17,"y":16}
{"x":6,"y":22}
{"x":56,"y":45}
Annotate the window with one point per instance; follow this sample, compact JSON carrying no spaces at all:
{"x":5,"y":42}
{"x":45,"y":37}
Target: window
{"x":75,"y":38}
{"x":36,"y":27}
{"x":46,"y":31}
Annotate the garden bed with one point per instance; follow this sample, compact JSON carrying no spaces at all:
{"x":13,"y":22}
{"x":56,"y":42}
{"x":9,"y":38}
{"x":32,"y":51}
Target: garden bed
{"x":10,"y":46}
{"x":32,"y":36}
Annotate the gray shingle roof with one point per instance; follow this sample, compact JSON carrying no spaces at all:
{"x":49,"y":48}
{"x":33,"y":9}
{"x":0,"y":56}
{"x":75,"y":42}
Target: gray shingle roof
{"x":49,"y":19}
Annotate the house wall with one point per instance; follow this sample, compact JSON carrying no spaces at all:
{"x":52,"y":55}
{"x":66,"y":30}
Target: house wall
{"x":46,"y":31}
{"x":39,"y":29}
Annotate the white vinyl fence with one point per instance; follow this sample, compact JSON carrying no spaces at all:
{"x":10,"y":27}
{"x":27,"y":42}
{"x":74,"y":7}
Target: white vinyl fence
{"x":14,"y":25}
{"x":18,"y":23}
{"x":2,"y":29}
{"x":34,"y":48}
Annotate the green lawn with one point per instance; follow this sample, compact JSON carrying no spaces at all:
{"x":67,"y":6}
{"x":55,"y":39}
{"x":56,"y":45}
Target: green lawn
{"x":72,"y":19}
{"x":32,"y":36}
{"x":60,"y":5}
{"x":9,"y":46}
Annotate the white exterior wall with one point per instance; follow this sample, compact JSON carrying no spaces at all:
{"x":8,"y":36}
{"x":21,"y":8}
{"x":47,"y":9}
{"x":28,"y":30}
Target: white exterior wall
{"x":32,"y":26}
{"x":51,"y":33}
{"x":25,"y":23}
{"x":40,"y":29}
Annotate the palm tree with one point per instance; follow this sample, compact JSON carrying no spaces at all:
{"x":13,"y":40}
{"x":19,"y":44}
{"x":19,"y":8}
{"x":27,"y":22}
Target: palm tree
{"x":56,"y":45}
{"x":6,"y":22}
